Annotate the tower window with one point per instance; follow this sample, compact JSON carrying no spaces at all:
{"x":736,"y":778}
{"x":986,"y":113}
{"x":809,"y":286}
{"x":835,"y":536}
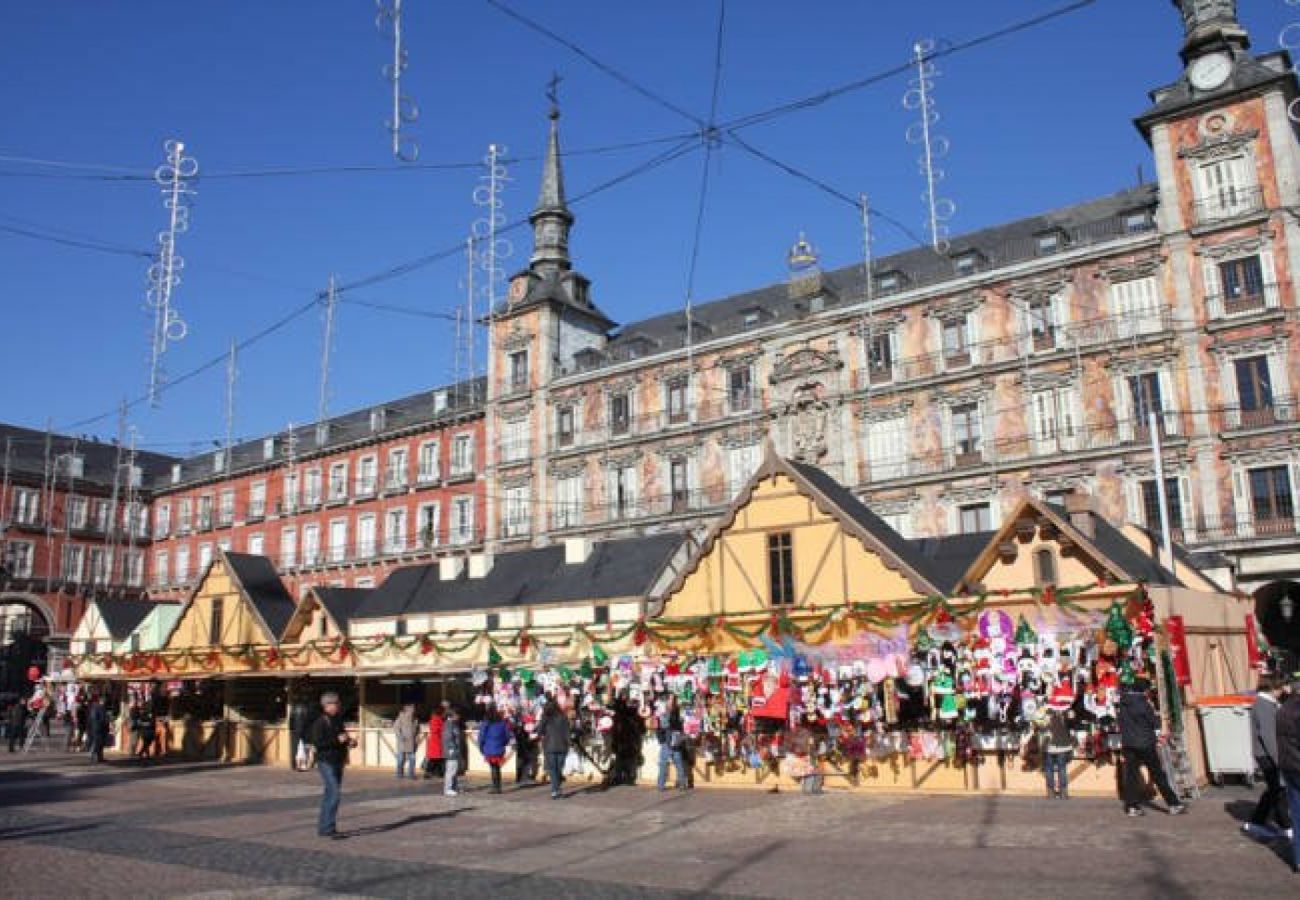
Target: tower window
{"x":780,"y":568}
{"x":1044,"y":567}
{"x":519,"y":370}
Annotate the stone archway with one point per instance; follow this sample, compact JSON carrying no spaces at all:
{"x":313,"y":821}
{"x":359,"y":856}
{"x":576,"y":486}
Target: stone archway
{"x":1270,"y":608}
{"x":26,"y":623}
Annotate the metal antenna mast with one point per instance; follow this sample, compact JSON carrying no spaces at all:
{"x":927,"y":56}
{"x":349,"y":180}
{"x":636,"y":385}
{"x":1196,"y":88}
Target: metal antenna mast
{"x":165,"y":272}
{"x":493,"y":248}
{"x":933,"y":147}
{"x":404,"y":110}
{"x":331,"y":301}
{"x":231,"y":373}
{"x":109,"y":526}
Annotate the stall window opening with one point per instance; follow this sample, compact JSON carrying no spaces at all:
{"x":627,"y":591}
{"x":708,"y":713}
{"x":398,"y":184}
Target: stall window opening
{"x":1044,"y":567}
{"x":780,"y":560}
{"x":214,"y":626}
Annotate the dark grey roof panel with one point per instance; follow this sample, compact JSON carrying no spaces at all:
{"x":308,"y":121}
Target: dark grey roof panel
{"x":258,"y":576}
{"x":99,"y":459}
{"x":342,"y":603}
{"x":122,"y":616}
{"x":949,"y":557}
{"x":1140,"y":563}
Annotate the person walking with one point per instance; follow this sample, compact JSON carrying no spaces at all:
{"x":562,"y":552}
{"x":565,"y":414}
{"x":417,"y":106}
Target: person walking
{"x":331,"y":742}
{"x":434,"y":762}
{"x":96,"y":728}
{"x":1058,"y":750}
{"x":406,"y":732}
{"x":17,"y":724}
{"x":493,"y":742}
{"x":1137,"y":727}
{"x":144,"y":727}
{"x":671,"y":739}
{"x":525,"y":748}
{"x":80,"y":719}
{"x":452,"y":734}
{"x":1288,"y":762}
{"x":554,"y":734}
{"x":1263,"y":726}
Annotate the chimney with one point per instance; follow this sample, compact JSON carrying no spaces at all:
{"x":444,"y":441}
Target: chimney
{"x":480,"y":564}
{"x":450,"y":567}
{"x":1081,"y":509}
{"x":576,"y":550}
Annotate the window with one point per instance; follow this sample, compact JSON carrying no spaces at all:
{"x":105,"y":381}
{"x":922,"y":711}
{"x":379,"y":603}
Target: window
{"x":98,"y":566}
{"x":134,"y":519}
{"x":975,"y":517}
{"x":1137,"y":222}
{"x":677,"y":484}
{"x":780,"y":568}
{"x":311,"y":487}
{"x":462,"y":520}
{"x":1042,"y":324}
{"x":740,"y":388}
{"x":310,"y":545}
{"x":492,"y":622}
{"x":1055,"y":413}
{"x":600,"y":614}
{"x":1145,"y":399}
{"x":176,"y":473}
{"x":889,"y":282}
{"x":1057,"y":496}
{"x":1049,"y":242}
{"x":564,"y":426}
{"x":205,"y":557}
{"x":519,"y":370}
{"x":518,"y":506}
{"x":676,"y":400}
{"x":100,"y":517}
{"x":439,"y":401}
{"x":624,"y":492}
{"x":369,"y":582}
{"x":219,"y":461}
{"x":377,"y":419}
{"x":1136,"y":306}
{"x":429,"y":468}
{"x":205,"y":511}
{"x":620,"y":413}
{"x":27,"y":506}
{"x":956,"y":341}
{"x":396,"y":478}
{"x":569,"y":501}
{"x":77,"y":513}
{"x":322,"y":434}
{"x":214,"y":624}
{"x":1226,"y":188}
{"x":1270,"y":497}
{"x":268,"y":449}
{"x":1044,"y":567}
{"x":133,"y":564}
{"x":257,"y":500}
{"x":967,"y":434}
{"x":161,"y":572}
{"x":338,"y":547}
{"x":365,"y":536}
{"x":289,"y":502}
{"x":515,"y":445}
{"x":70,"y":570}
{"x":367,"y":476}
{"x":256,"y":543}
{"x":288,"y":548}
{"x":20,"y":557}
{"x":880,"y":358}
{"x":395,"y":531}
{"x":226,"y":514}
{"x":1254,"y":390}
{"x":462,"y":454}
{"x":134,"y":476}
{"x":338,"y":481}
{"x":1242,"y":282}
{"x":742,"y":462}
{"x":888,"y":448}
{"x":966,"y":264}
{"x":427,"y":519}
{"x":183,"y":563}
{"x":1151,"y":505}
{"x":752,"y":318}
{"x":225,"y":544}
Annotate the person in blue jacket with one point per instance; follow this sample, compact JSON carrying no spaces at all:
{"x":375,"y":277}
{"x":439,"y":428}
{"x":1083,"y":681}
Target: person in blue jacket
{"x":493,"y":741}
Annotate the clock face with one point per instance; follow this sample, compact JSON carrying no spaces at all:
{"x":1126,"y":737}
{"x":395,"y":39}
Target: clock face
{"x":1208,"y":72}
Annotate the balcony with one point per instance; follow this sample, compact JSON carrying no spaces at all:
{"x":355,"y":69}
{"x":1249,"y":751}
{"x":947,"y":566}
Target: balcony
{"x":226,"y":517}
{"x":256,"y":511}
{"x":1245,"y":527}
{"x":338,"y":491}
{"x":365,"y":488}
{"x":427,"y":476}
{"x":881,"y":373}
{"x":968,"y":456}
{"x":1280,"y":411}
{"x":1228,"y":204}
{"x":204,"y":522}
{"x":1044,"y":338}
{"x":395,"y":482}
{"x":1248,"y":301}
{"x":957,"y":358}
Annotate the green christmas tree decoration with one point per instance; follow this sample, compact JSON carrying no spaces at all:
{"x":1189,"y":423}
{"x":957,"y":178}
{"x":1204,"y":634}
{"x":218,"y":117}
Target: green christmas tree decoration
{"x":586,"y":669}
{"x":598,"y":655}
{"x":1025,"y":634}
{"x":1117,"y":627}
{"x":565,"y":673}
{"x":494,"y":658}
{"x":1126,"y":672}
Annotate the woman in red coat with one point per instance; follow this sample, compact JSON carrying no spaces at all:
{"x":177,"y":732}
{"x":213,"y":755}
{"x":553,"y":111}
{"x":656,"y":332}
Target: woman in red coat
{"x":434,"y":762}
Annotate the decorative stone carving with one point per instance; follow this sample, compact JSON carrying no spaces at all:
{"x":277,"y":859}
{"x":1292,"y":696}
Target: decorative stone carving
{"x":1219,"y":146}
{"x":803,"y":362}
{"x":953,"y":307}
{"x":809,"y":415}
{"x":518,"y":338}
{"x":1133,"y":269}
{"x":1234,"y":249}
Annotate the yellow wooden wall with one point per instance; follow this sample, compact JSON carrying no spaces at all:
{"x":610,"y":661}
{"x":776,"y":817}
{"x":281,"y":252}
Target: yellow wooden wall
{"x":239,"y":623}
{"x":1073,"y":568}
{"x":831,"y":566}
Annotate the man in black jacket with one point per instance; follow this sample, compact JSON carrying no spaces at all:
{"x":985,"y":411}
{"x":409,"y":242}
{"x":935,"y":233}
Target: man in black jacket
{"x":1288,"y":762}
{"x":1137,"y":728}
{"x":331,"y":741}
{"x":17,"y":724}
{"x":1263,"y":724}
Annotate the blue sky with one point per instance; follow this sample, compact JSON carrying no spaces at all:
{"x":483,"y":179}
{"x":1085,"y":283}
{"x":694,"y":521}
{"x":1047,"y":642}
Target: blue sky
{"x":1036,"y":120}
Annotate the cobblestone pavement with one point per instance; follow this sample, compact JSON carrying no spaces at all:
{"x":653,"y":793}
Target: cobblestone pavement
{"x":69,"y":829}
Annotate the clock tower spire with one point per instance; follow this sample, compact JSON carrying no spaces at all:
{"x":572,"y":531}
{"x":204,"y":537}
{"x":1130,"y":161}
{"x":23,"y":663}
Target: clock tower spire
{"x":1210,"y":26}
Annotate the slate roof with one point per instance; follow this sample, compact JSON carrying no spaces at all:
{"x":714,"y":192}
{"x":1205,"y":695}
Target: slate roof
{"x":342,"y":603}
{"x":1080,"y":224}
{"x":122,"y":616}
{"x":1139,"y":564}
{"x":258,"y":576}
{"x":399,"y":415}
{"x":878,"y":528}
{"x":949,"y":557}
{"x":99,"y":458}
{"x":621,"y":568}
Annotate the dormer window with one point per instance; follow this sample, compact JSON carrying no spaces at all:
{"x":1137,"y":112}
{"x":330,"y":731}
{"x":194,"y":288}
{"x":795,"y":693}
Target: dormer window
{"x":967,"y":263}
{"x":587,"y":358}
{"x":268,"y":449}
{"x":176,"y":473}
{"x":219,"y":461}
{"x":889,"y":282}
{"x":1137,"y":221}
{"x":322,"y":434}
{"x":377,"y":419}
{"x":752,"y":317}
{"x":1049,"y":242}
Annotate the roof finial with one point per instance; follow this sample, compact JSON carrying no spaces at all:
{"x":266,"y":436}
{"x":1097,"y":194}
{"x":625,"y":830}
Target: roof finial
{"x":553,"y":94}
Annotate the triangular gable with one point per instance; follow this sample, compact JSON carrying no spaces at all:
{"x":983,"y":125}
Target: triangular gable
{"x":1034,"y":523}
{"x":198,"y":603}
{"x":92,"y":626}
{"x":833,"y":501}
{"x":316,"y":599}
